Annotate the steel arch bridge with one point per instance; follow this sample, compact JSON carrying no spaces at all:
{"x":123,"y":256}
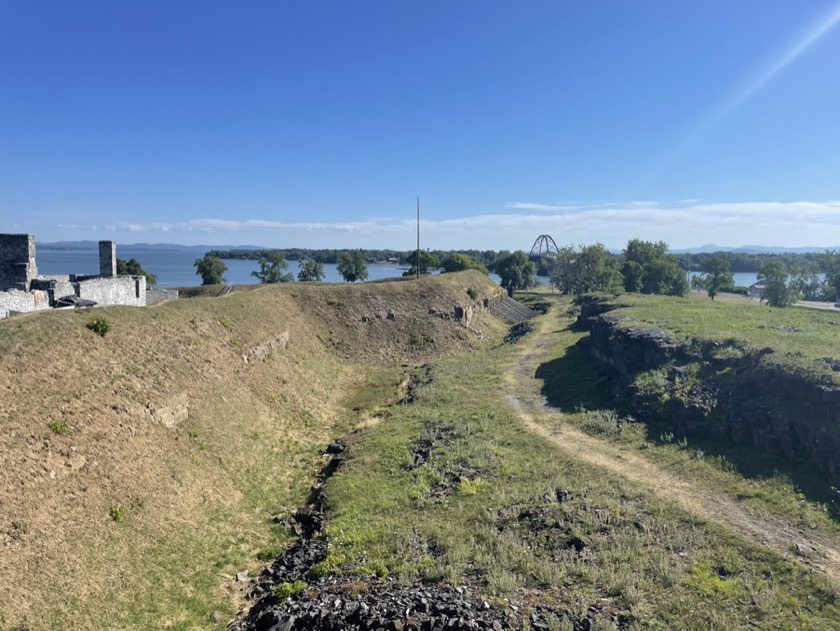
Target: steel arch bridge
{"x":544,"y":246}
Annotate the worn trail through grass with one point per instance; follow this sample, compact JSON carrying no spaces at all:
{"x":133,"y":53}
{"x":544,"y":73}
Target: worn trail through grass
{"x":818,"y":550}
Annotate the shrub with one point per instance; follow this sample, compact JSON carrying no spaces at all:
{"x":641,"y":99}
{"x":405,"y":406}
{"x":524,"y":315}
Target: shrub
{"x":116,"y":513}
{"x":100,"y":326}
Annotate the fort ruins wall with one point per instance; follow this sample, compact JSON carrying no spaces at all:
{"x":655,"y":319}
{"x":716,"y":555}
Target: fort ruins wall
{"x":22,"y":290}
{"x":15,"y":301}
{"x":116,"y":290}
{"x":17,"y":261}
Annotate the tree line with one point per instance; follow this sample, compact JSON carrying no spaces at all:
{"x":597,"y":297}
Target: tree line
{"x":748,"y":262}
{"x":351,"y":264}
{"x":648,"y":267}
{"x":642,"y":266}
{"x":331,"y":256}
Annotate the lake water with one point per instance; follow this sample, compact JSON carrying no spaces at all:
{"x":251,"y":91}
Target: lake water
{"x":173,"y":265}
{"x":742,"y":279}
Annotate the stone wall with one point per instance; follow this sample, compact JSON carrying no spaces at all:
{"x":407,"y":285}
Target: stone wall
{"x":19,"y":275}
{"x":17,"y":261}
{"x":779,"y":411}
{"x":16,"y":301}
{"x":55,"y":286}
{"x":752,"y":399}
{"x":118,"y":290}
{"x":154,"y":296}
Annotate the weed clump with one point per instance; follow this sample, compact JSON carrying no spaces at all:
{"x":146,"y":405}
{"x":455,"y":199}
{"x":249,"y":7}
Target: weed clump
{"x":58,"y":427}
{"x":116,"y":513}
{"x":287,"y":590}
{"x":100,"y":326}
{"x":472,"y":487}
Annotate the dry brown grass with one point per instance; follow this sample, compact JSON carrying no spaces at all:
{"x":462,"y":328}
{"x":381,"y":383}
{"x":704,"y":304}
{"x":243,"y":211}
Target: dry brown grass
{"x":110,"y":519}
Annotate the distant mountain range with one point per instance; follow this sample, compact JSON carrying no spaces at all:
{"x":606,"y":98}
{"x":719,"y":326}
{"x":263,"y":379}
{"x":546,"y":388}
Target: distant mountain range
{"x":175,"y":247}
{"x":752,"y":249}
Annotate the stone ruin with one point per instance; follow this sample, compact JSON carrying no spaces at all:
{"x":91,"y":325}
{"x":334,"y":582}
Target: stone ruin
{"x":23,"y":290}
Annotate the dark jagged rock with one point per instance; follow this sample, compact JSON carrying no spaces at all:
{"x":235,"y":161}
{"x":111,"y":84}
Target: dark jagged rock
{"x":518,"y":331}
{"x":750,"y":397}
{"x":629,"y":350}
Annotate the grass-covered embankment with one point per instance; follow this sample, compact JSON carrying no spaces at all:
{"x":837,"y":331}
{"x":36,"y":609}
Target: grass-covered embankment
{"x":141,"y":470}
{"x":498,"y":508}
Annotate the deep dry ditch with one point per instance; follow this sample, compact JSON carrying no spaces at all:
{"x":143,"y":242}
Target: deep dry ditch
{"x":293,"y":592}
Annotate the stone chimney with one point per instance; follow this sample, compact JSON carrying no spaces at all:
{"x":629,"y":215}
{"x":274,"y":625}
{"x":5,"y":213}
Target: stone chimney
{"x":107,"y":259}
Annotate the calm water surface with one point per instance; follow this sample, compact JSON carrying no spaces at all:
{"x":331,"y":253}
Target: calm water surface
{"x":173,"y":265}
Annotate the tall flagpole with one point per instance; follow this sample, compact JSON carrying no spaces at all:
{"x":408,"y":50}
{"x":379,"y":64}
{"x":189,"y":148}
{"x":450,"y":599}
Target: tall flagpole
{"x":418,"y":237}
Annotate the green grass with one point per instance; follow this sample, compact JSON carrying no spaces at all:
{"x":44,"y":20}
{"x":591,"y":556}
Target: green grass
{"x":194,"y":504}
{"x":481,"y":511}
{"x":380,"y":390}
{"x":803,"y":336}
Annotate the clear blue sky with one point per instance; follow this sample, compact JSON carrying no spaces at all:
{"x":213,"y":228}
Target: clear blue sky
{"x":316,"y":124}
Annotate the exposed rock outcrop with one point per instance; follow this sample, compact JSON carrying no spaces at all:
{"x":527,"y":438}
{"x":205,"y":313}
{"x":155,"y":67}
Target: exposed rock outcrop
{"x":748,"y":397}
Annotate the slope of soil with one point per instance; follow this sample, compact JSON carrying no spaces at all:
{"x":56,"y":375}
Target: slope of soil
{"x":140,"y":470}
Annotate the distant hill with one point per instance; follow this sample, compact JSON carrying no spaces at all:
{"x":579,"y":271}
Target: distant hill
{"x":75,"y":245}
{"x":753,"y":249}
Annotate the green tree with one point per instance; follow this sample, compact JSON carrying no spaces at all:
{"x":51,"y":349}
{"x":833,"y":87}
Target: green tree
{"x":717,"y":275}
{"x":644,"y":252}
{"x":310,"y":270}
{"x":829,"y":264}
{"x":633,"y":274}
{"x":352,"y":265}
{"x":810,"y":285}
{"x":132,"y":267}
{"x":665,"y":277}
{"x":586,"y":269}
{"x":457,"y":262}
{"x":273,"y":268}
{"x":779,"y":291}
{"x":515,"y":270}
{"x":426,"y":260}
{"x":649,"y":269}
{"x":211,"y":269}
